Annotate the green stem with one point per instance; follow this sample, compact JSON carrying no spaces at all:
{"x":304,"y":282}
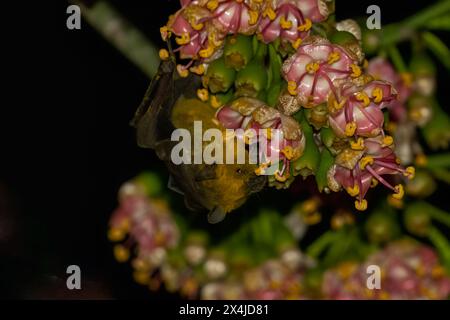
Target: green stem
{"x":397,"y":32}
{"x":125,"y":37}
{"x":441,"y":174}
{"x":321,"y":243}
{"x":397,"y":59}
{"x":441,"y":160}
{"x":442,"y":245}
{"x":428,"y":14}
{"x":438,"y":47}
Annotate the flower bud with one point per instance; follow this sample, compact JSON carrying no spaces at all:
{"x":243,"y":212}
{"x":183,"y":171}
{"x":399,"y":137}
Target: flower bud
{"x":219,"y":77}
{"x":424,"y":71}
{"x":251,"y":80}
{"x":422,"y":186}
{"x":416,"y":219}
{"x":238,"y":51}
{"x":325,"y":163}
{"x":382,"y":227}
{"x":308,"y":163}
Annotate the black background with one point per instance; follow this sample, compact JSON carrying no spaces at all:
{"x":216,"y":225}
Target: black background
{"x":68,"y":147}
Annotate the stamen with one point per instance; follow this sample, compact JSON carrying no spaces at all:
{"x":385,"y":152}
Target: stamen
{"x":208,"y":52}
{"x":410,"y":172}
{"x":305,"y":26}
{"x":350,"y":129}
{"x":292,"y":88}
{"x":199,"y":70}
{"x":367,"y":160}
{"x":356,"y":71}
{"x":373,"y":183}
{"x":185,"y":38}
{"x":312,"y":67}
{"x":387,"y":141}
{"x":297,"y":43}
{"x":339,"y":105}
{"x":379,"y":178}
{"x":288,"y":152}
{"x":163,"y":54}
{"x":203,"y":94}
{"x":165,"y":32}
{"x":358,"y":145}
{"x":121,"y":253}
{"x":254,"y":15}
{"x":215,"y":103}
{"x":353,"y":191}
{"x":361,"y":205}
{"x":333,"y":57}
{"x":363,"y":97}
{"x":399,"y":192}
{"x":280,"y":178}
{"x":212,"y":5}
{"x":285,"y":24}
{"x":268,"y":12}
{"x":182,"y":71}
{"x":377,"y":94}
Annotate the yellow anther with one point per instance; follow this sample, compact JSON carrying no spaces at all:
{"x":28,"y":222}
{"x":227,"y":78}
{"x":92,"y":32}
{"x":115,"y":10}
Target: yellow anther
{"x":163,"y":54}
{"x":268,"y":12}
{"x":199,"y":70}
{"x":306,"y":26}
{"x":358,"y":144}
{"x":288,"y":152}
{"x":260,"y":171}
{"x":212,"y":5}
{"x":254,"y":16}
{"x":285,"y":24}
{"x":361,"y":205}
{"x":312,"y":67}
{"x":268,"y":133}
{"x":353,"y":191}
{"x":338,"y":105}
{"x":399,"y":192}
{"x":197,"y":26}
{"x":367,"y":160}
{"x":215,"y":103}
{"x":141,"y":277}
{"x":116,"y":234}
{"x":297,"y":43}
{"x":182,"y":71}
{"x":396,"y":203}
{"x":208,"y":52}
{"x":280,"y":178}
{"x":333,"y":57}
{"x":350,"y":129}
{"x":437,"y":272}
{"x":356,"y":71}
{"x":121,"y":253}
{"x":165,"y":32}
{"x":185,"y":38}
{"x":377,"y":95}
{"x":387,"y":141}
{"x":365,"y":63}
{"x":410,"y":172}
{"x":421,"y":160}
{"x":373,"y":183}
{"x":363,"y":97}
{"x":407,"y":78}
{"x":203,"y":94}
{"x":312,"y":218}
{"x":292,"y":88}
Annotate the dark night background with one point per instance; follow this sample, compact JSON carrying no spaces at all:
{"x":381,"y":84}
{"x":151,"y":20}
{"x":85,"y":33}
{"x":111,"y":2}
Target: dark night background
{"x":59,"y":187}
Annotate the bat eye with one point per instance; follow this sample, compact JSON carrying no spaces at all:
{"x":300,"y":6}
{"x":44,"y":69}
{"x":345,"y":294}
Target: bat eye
{"x":239,"y":171}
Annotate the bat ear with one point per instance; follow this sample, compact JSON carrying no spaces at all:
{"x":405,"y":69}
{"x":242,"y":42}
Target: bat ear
{"x":216,"y":215}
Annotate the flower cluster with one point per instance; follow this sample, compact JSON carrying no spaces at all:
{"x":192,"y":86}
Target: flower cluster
{"x":275,"y":279}
{"x":408,"y":271}
{"x":201,"y":26}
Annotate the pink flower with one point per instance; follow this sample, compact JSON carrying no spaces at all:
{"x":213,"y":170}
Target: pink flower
{"x":248,"y":113}
{"x":357,"y":110}
{"x":291,"y":20}
{"x":235,"y":16}
{"x":382,"y":69}
{"x":313,"y":69}
{"x":357,"y":170}
{"x":191,"y":34}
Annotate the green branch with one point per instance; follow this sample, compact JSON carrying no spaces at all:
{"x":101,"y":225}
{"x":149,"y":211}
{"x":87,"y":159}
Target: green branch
{"x":125,"y":37}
